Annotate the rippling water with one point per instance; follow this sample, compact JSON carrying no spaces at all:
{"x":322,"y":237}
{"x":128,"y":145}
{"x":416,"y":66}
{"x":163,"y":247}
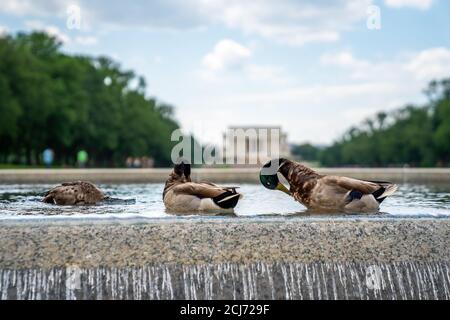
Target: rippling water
{"x":145,"y":200}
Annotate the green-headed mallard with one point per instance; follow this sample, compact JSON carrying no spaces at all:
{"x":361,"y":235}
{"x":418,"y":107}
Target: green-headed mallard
{"x":182,"y":195}
{"x":74,"y":193}
{"x":324,"y":192}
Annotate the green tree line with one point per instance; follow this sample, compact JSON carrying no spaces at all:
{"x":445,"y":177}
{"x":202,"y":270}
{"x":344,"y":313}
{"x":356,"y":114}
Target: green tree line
{"x":413,"y":135}
{"x":49,"y":99}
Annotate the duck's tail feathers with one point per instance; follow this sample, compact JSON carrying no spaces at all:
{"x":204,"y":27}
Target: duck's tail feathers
{"x":227,"y":200}
{"x":387,"y":189}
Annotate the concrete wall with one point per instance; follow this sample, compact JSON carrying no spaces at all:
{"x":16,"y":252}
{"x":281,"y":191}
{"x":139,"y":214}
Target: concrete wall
{"x":217,"y":175}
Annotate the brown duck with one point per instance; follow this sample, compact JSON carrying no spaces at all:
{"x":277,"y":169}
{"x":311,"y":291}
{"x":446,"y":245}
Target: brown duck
{"x":325,"y":192}
{"x":182,"y":195}
{"x":74,"y":193}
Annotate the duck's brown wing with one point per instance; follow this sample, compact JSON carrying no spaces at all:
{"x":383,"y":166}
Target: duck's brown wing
{"x":348,"y":184}
{"x":379,"y":189}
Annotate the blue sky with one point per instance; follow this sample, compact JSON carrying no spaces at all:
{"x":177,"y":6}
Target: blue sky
{"x":313,"y":67}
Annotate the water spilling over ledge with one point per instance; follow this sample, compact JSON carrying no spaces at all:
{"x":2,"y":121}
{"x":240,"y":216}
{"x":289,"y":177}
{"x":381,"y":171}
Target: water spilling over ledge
{"x":233,"y":281}
{"x":240,"y":259}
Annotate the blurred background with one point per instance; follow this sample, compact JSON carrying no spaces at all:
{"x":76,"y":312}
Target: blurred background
{"x":105,"y":83}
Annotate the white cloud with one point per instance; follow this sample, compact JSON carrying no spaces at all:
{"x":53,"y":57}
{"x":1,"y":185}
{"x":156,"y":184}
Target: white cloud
{"x":342,"y":59}
{"x":226,"y":54}
{"x":291,"y":22}
{"x":425,"y":65}
{"x":49,"y":29}
{"x":430,"y":64}
{"x":322,"y":112}
{"x":54,"y":31}
{"x":311,"y":95}
{"x":419,"y":4}
{"x":33,"y":7}
{"x":230,"y":60}
{"x":363,"y":70}
{"x":60,"y":35}
{"x":18,"y":8}
{"x":317,"y":113}
{"x":85,"y":40}
{"x":286,"y":21}
{"x":311,"y":108}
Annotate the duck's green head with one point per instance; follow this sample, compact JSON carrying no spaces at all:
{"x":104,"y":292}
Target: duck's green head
{"x":269,"y":176}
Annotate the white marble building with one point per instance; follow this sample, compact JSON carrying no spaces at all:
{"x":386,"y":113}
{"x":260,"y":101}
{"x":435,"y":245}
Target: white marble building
{"x":254,"y":145}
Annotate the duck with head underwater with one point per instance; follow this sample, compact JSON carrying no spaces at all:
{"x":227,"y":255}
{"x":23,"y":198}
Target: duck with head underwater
{"x":182,"y":195}
{"x":325,"y":192}
{"x":74,"y":193}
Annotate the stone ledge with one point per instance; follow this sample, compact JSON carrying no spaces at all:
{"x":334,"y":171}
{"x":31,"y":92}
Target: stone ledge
{"x":242,"y":175}
{"x":44,"y":245}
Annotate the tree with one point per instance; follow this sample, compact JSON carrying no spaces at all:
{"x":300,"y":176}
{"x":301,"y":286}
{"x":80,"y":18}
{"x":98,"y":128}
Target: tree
{"x":69,"y":103}
{"x":441,"y":124}
{"x":413,"y":135}
{"x":306,"y":151}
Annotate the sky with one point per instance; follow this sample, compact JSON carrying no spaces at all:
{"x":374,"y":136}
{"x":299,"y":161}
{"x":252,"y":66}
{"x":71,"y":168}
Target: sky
{"x":315,"y":67}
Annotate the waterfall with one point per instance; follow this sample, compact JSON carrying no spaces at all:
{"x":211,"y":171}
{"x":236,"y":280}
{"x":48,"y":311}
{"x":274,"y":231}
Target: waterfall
{"x":402,"y":280}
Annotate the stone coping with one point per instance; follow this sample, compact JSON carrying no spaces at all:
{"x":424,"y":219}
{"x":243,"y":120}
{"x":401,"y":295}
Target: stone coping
{"x":239,"y":175}
{"x":115,"y":244}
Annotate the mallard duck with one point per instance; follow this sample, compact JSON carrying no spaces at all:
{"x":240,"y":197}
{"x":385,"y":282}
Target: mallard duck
{"x":74,"y":193}
{"x":325,"y":192}
{"x":182,"y":195}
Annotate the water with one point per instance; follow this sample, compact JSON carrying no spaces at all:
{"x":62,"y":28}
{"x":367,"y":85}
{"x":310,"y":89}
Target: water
{"x":329,"y":281}
{"x":145,"y":200}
